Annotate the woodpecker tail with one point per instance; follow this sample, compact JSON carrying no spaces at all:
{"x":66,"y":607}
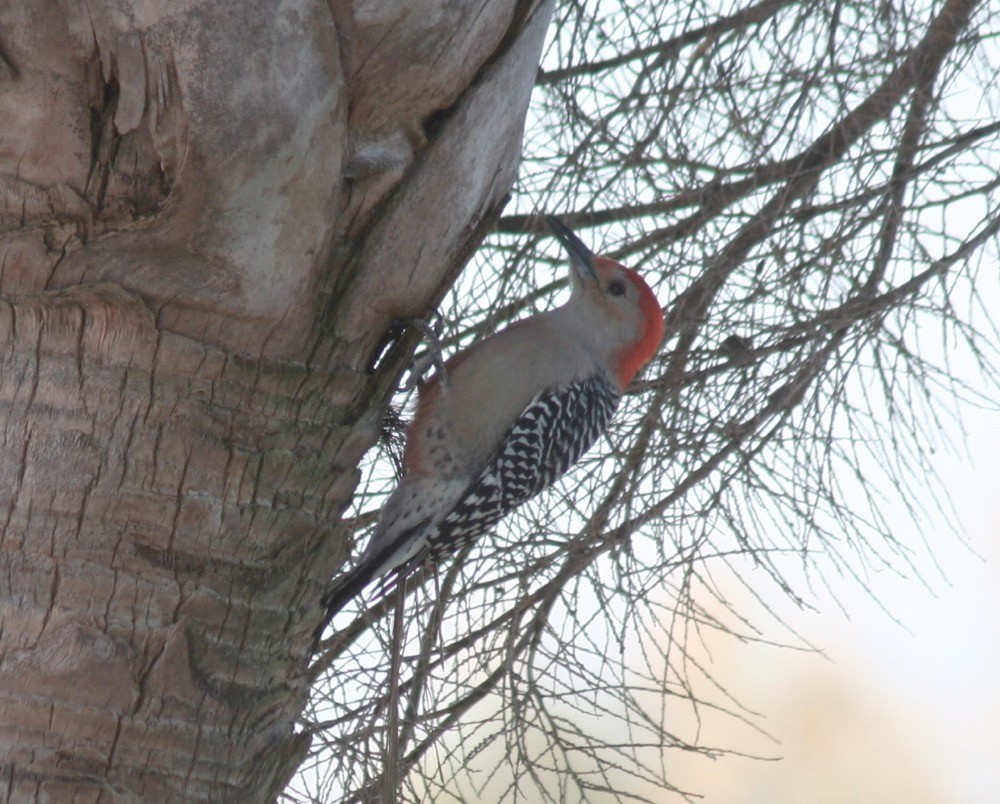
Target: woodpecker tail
{"x":347,"y":586}
{"x":398,"y":557}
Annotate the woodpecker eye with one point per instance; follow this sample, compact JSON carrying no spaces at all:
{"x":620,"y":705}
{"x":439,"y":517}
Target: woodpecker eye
{"x":616,"y":287}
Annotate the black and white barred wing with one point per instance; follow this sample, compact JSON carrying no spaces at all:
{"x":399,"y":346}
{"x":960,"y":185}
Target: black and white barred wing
{"x":547,"y":439}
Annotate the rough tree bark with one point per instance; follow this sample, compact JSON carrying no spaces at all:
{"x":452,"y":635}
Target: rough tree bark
{"x":210,"y":214}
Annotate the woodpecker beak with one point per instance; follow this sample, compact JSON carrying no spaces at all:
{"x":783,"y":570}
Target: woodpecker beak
{"x":581,"y":258}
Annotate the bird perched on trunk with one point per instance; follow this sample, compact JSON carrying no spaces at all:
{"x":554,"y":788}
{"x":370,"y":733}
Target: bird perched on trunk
{"x":509,"y":416}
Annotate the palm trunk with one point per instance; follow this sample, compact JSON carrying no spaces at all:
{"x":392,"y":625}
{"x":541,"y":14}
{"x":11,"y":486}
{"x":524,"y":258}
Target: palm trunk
{"x":209,"y":219}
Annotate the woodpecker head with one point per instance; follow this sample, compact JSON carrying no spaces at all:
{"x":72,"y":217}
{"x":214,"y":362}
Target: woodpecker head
{"x":619,"y":307}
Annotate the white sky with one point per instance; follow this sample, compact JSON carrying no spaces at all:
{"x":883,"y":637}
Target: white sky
{"x":890,"y":714}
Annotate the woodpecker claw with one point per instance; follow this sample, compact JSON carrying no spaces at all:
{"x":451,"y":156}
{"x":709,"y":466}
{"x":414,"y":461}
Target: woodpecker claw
{"x":432,"y":334}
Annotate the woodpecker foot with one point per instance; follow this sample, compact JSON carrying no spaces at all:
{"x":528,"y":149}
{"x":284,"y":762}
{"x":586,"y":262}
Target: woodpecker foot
{"x":432,"y":335}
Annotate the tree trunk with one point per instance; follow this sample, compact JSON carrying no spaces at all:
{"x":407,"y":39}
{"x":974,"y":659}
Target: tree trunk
{"x":210,"y":215}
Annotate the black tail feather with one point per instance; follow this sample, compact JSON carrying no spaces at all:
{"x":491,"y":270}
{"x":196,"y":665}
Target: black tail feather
{"x":372,"y":565}
{"x":347,"y":587}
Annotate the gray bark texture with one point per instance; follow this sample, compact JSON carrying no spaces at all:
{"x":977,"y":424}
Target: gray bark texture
{"x":211,"y":212}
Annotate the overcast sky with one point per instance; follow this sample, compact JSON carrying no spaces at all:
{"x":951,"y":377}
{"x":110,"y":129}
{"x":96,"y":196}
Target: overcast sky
{"x":891,"y":713}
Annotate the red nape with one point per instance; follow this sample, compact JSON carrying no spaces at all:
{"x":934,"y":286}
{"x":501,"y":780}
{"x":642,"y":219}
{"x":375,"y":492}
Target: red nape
{"x":639,"y":353}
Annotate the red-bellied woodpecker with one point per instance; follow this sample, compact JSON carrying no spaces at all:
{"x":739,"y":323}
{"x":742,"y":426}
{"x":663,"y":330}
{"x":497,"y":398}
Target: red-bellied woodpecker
{"x":510,"y":415}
